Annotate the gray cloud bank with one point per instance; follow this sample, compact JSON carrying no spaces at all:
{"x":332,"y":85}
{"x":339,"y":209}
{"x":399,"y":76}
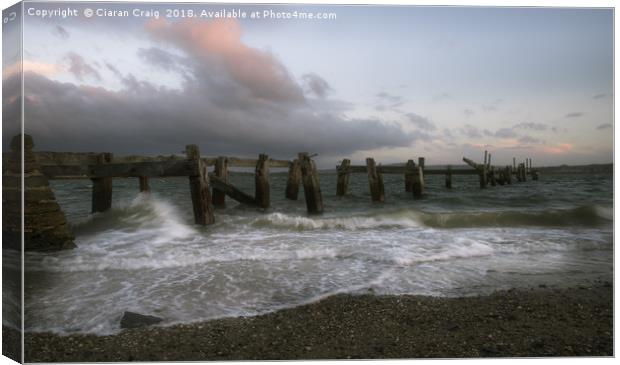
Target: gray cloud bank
{"x":222,"y":107}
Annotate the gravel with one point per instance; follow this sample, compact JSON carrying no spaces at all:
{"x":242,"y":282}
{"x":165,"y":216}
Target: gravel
{"x":537,"y":322}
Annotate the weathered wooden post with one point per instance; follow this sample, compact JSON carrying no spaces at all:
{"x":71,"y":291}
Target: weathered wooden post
{"x":294,"y":179}
{"x":221,"y":171}
{"x":449,"y":177}
{"x":343,"y":177}
{"x":485,"y":158}
{"x":514,"y":165}
{"x":144,"y":184}
{"x":102,"y":187}
{"x":522,"y":172}
{"x":312,"y":186}
{"x":508,"y":175}
{"x":261,"y":181}
{"x":489,"y":162}
{"x":418,"y":179}
{"x":491,"y":174}
{"x":375,"y":181}
{"x":421,"y":162}
{"x":482,"y":172}
{"x":409,"y":175}
{"x":199,"y":188}
{"x":501,"y":179}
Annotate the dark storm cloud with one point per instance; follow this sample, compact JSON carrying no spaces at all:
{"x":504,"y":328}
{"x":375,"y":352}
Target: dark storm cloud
{"x":316,"y":85}
{"x":145,"y":119}
{"x":79,"y":68}
{"x":604,"y":126}
{"x":60,"y":32}
{"x":220,"y":107}
{"x":574,"y":115}
{"x":421,"y":122}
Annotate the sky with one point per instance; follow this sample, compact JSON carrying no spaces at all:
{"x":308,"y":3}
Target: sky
{"x":389,"y":82}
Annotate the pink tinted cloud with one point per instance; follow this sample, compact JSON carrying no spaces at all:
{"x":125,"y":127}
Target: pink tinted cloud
{"x":558,"y":149}
{"x":256,"y":70}
{"x":30,"y":66}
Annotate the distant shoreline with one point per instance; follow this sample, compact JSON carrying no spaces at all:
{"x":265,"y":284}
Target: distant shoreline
{"x":539,"y":322}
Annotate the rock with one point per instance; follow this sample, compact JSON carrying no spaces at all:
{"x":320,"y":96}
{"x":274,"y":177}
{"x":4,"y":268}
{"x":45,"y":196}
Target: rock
{"x":135,"y":320}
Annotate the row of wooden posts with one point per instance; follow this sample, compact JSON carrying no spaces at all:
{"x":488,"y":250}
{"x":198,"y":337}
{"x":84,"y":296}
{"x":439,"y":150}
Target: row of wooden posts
{"x":208,"y":190}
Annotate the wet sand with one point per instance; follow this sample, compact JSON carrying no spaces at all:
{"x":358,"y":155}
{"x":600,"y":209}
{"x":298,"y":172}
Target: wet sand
{"x":537,"y":322}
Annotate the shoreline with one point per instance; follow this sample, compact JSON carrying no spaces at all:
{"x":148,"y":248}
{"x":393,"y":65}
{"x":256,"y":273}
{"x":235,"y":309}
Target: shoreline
{"x":536,"y":322}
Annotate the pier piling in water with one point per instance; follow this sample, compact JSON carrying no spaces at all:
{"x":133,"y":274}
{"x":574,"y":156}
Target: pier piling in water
{"x":449,"y":177}
{"x":144,"y":184}
{"x":418,"y":181}
{"x":312,"y":186}
{"x":261,"y":181}
{"x":293,"y":181}
{"x":102,"y":187}
{"x":199,"y":188}
{"x":375,"y":181}
{"x":221,"y":171}
{"x":409,"y":175}
{"x":343,"y":177}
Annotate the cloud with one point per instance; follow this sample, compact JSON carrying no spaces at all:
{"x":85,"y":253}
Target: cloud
{"x":492,"y":106}
{"x":559,"y":149}
{"x":604,"y":126}
{"x":468,"y":112}
{"x":421,"y":122}
{"x":60,"y":32}
{"x":442,"y":97}
{"x":470,"y":131}
{"x":29,"y":66}
{"x":505,"y":133}
{"x":160,"y":58}
{"x":574,"y":115}
{"x":389,"y":98}
{"x":599,"y":96}
{"x":215,"y":107}
{"x":219,"y":42}
{"x":529,"y":140}
{"x":532,"y":126}
{"x":316,"y":84}
{"x":79,"y":68}
{"x":114,"y":70}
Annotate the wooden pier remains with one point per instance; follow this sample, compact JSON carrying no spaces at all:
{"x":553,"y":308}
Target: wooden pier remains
{"x":209,"y":190}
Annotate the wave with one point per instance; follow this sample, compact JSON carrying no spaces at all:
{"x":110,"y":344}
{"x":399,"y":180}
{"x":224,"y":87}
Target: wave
{"x":591,"y":216}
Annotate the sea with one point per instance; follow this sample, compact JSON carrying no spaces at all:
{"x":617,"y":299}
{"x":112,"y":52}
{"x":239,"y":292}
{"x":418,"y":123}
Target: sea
{"x":146,"y":255}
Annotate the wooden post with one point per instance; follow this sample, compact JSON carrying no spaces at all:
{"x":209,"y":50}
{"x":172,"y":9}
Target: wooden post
{"x":343,"y":177}
{"x":418,"y":182}
{"x":449,"y":177}
{"x":514,"y":164}
{"x":261,"y":181}
{"x":221,"y":171}
{"x":375,"y":181}
{"x":294,"y":178}
{"x":501,"y":177}
{"x":144,"y":184}
{"x":421,"y":162}
{"x":508,"y":175}
{"x":489,"y":162}
{"x":491,"y":173}
{"x":102,"y":188}
{"x":482,"y":172}
{"x":312,"y":186}
{"x":485,"y":158}
{"x":409,"y":175}
{"x":199,"y":188}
